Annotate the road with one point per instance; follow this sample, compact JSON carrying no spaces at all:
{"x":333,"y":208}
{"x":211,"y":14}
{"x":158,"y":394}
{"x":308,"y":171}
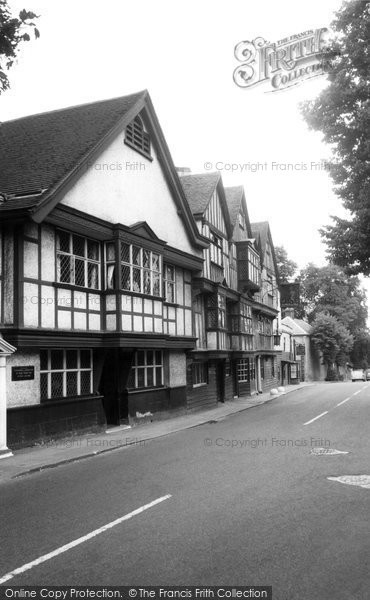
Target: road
{"x":248,"y":504}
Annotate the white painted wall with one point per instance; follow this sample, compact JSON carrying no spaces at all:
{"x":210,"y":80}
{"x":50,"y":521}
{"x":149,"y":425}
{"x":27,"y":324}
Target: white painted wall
{"x":121,"y":186}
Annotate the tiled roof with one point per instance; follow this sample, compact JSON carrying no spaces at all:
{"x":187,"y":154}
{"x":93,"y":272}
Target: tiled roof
{"x":233,"y":198}
{"x":261,"y":230}
{"x":298,"y":326}
{"x":199,"y":189}
{"x":37,"y":151}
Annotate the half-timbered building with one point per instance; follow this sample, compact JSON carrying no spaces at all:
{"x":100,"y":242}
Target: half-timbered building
{"x":98,"y":250}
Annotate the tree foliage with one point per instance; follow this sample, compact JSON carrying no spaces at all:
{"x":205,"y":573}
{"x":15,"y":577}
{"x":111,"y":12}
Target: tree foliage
{"x":286,"y":267}
{"x":341,"y":112}
{"x":333,"y":340}
{"x":13,"y":31}
{"x":329,"y":290}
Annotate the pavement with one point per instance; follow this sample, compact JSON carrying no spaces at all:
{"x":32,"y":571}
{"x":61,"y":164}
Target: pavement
{"x":34,"y":459}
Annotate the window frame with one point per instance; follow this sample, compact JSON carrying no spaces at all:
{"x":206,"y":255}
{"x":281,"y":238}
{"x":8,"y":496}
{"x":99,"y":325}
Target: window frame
{"x":169,"y":283}
{"x":135,"y":265}
{"x":74,"y":257}
{"x":199,"y":371}
{"x":136,"y":367}
{"x":64,"y":370}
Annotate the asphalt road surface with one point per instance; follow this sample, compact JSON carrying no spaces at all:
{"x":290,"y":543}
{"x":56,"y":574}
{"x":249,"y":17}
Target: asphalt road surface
{"x":243,"y":501}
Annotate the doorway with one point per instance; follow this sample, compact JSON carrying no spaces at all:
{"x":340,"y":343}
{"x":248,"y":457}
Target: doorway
{"x":220,"y":381}
{"x":115,"y":373}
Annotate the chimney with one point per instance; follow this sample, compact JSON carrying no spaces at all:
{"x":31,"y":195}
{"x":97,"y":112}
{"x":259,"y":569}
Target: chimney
{"x":289,"y":312}
{"x":181,"y":171}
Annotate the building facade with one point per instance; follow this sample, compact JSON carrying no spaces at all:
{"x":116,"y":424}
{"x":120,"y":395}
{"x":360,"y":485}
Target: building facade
{"x":130,"y":293}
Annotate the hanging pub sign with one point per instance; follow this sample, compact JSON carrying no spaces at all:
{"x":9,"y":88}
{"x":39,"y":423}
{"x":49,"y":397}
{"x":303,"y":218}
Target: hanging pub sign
{"x":300,"y":350}
{"x":23,"y":373}
{"x":289,"y":295}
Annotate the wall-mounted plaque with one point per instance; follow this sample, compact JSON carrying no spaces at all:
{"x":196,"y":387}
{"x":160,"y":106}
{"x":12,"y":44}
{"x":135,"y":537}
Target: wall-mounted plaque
{"x":23,"y":373}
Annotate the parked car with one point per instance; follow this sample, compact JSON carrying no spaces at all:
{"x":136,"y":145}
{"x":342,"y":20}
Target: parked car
{"x":358,"y":375}
{"x":367,"y":374}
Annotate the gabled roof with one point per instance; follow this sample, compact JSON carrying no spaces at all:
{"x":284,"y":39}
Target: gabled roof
{"x":37,"y":151}
{"x":42,"y":156}
{"x":262,"y":231}
{"x":235,"y":198}
{"x":199,"y":189}
{"x":298,"y":326}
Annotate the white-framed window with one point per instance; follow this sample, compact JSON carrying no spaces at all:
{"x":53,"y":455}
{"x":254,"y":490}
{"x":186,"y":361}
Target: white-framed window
{"x":200,"y":373}
{"x":169,"y":281}
{"x":65,"y":373}
{"x":243,"y":369}
{"x":147,"y":370}
{"x":216,"y":249}
{"x":254,"y":266}
{"x":78,"y":260}
{"x":140,"y":269}
{"x":137,"y":137}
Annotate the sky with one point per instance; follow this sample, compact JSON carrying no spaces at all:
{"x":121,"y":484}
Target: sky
{"x":183,"y":53}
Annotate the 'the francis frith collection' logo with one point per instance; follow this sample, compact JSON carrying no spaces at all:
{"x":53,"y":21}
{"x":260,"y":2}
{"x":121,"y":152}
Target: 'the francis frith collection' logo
{"x":284,"y":63}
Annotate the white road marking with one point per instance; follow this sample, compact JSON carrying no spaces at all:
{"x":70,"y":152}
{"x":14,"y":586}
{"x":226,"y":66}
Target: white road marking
{"x":360,"y":480}
{"x":80,"y":540}
{"x":327,"y":451}
{"x":315,"y":418}
{"x":343,"y":401}
{"x":355,"y":394}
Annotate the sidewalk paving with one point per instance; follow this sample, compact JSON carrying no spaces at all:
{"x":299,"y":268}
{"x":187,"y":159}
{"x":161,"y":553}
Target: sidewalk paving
{"x":62,"y":451}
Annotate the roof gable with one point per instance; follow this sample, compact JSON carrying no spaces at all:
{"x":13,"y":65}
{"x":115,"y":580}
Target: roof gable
{"x":47,"y":153}
{"x":199,"y":190}
{"x":236,"y":202}
{"x":262,"y":230}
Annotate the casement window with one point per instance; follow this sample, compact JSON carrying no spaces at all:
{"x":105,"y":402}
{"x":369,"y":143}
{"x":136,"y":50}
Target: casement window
{"x":243,"y":369}
{"x":200,"y":373}
{"x":169,"y":281}
{"x":216,"y":311}
{"x":65,"y":373}
{"x":78,"y":260}
{"x":240,"y":321}
{"x":216,"y":249}
{"x":147,"y":370}
{"x":253,"y":266}
{"x":140,"y":269}
{"x":136,"y":137}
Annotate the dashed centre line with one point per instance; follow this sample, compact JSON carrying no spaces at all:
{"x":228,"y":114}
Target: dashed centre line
{"x":315,"y":418}
{"x":81,"y":540}
{"x":339,"y":404}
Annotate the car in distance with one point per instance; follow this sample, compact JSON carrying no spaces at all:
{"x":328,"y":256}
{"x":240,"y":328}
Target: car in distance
{"x":367,"y":374}
{"x":358,"y":375}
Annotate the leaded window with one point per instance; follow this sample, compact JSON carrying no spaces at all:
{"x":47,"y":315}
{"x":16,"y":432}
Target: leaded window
{"x":140,"y":269}
{"x":78,"y":260}
{"x":65,"y":373}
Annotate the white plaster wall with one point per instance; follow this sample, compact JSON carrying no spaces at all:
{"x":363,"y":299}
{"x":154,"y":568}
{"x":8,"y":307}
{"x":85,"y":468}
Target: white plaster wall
{"x":177,"y":369}
{"x":23,"y":393}
{"x":114,"y":190}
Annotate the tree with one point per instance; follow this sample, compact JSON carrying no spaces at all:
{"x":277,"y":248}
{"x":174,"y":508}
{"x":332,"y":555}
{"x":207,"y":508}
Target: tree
{"x":329,"y":289}
{"x":13,"y":31}
{"x":333,"y":340}
{"x":286,"y":267}
{"x":341,"y":112}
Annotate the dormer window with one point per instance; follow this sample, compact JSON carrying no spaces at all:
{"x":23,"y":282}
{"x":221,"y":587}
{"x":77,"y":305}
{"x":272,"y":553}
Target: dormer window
{"x":137,"y":138}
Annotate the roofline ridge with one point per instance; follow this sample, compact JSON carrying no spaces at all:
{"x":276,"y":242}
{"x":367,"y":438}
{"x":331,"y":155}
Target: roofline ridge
{"x":56,"y":110}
